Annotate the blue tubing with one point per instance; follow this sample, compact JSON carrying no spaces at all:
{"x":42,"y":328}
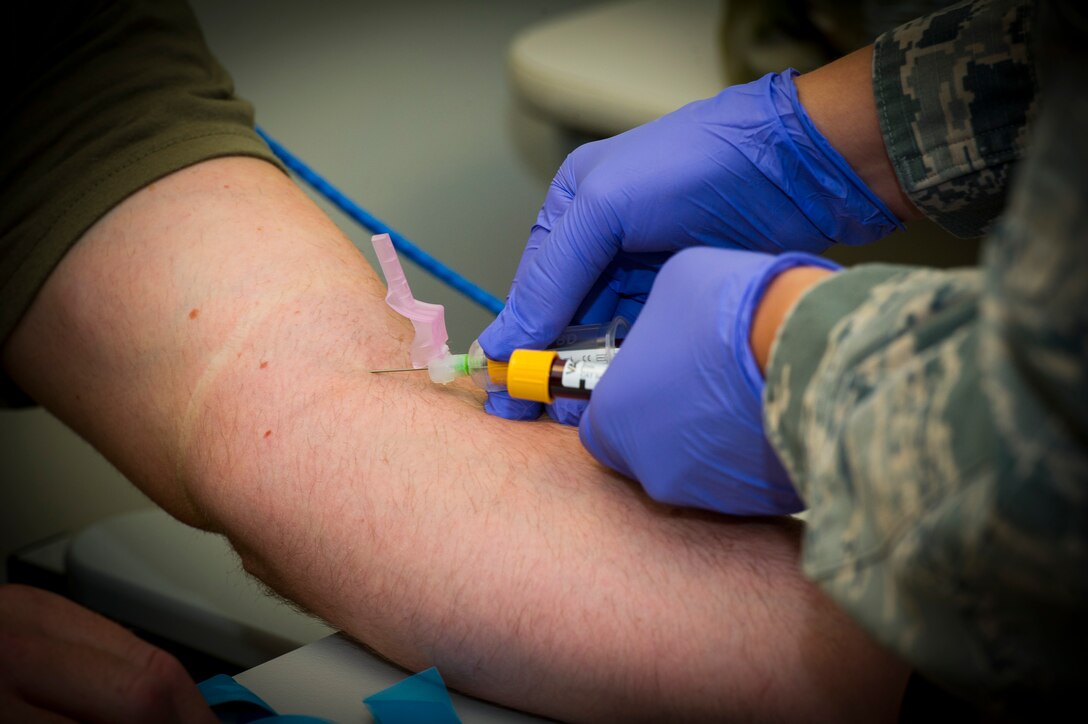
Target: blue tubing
{"x":368,"y":221}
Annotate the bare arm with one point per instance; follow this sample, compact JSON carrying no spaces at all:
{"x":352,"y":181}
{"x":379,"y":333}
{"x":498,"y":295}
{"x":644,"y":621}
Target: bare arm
{"x":211,"y":336}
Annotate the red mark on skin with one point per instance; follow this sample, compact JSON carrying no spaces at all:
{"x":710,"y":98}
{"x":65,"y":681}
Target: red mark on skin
{"x":264,"y":363}
{"x":194,"y":313}
{"x":267,"y":433}
{"x":226,"y":186}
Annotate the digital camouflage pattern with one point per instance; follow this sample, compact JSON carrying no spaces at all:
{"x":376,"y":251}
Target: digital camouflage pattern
{"x":955,"y":94}
{"x":936,"y":423}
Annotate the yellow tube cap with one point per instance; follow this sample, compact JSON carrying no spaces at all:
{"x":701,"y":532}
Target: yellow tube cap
{"x":496,"y":371}
{"x":528,"y":373}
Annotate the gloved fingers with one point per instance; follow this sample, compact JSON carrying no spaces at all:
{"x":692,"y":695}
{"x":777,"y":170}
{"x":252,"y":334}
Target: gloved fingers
{"x":554,"y":281}
{"x":675,"y":410}
{"x":501,"y":404}
{"x":630,"y":308}
{"x":599,"y":304}
{"x":598,"y":440}
{"x":622,"y":290}
{"x":623,"y":405}
{"x":561,"y":192}
{"x":566,"y":411}
{"x":495,"y":339}
{"x":536,"y":236}
{"x":556,"y":202}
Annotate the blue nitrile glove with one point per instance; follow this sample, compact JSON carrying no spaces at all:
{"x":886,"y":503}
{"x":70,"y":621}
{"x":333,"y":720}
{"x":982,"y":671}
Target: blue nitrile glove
{"x":744,"y":169}
{"x":680,"y":408}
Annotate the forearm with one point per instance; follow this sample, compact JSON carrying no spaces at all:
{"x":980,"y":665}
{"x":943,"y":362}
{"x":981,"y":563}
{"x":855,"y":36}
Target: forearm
{"x":220,"y":360}
{"x":781,"y":294}
{"x":839,"y":99}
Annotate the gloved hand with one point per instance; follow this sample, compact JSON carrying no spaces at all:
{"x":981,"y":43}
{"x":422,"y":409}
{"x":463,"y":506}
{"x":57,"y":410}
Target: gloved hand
{"x":680,"y":408}
{"x":744,"y":169}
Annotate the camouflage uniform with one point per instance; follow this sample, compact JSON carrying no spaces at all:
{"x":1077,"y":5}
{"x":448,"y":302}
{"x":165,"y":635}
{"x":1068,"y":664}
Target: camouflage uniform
{"x":936,"y":422}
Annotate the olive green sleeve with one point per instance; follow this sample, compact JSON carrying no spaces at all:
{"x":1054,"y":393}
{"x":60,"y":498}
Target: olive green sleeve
{"x":109,"y":97}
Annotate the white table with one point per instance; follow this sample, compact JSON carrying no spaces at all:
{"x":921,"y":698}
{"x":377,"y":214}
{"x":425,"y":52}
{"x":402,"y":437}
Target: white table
{"x":330,"y":678}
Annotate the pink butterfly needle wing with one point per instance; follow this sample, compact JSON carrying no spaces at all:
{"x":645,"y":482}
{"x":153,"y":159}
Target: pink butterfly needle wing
{"x":428,"y":319}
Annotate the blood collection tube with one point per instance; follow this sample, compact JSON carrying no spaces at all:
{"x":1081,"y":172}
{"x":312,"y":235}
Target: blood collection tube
{"x":541,"y":375}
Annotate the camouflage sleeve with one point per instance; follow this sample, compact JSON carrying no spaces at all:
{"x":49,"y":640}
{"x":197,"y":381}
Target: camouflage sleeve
{"x":955,"y":93}
{"x":936,"y":423}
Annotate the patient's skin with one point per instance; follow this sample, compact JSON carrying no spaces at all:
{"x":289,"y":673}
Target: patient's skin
{"x":212,"y":337}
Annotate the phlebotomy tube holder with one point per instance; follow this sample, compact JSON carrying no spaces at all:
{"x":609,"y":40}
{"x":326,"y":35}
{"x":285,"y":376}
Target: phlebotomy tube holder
{"x":569,"y":368}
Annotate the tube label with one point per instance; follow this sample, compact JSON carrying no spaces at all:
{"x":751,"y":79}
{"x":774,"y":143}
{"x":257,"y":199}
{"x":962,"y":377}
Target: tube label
{"x":602,"y":355}
{"x":582,"y":374}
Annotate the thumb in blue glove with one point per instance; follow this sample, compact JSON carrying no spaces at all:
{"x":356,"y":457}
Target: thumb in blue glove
{"x":744,"y":169}
{"x":680,"y":408}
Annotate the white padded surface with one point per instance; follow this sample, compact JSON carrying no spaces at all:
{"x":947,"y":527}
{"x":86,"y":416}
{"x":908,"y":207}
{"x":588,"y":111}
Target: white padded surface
{"x":331,"y":677}
{"x":148,"y":570}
